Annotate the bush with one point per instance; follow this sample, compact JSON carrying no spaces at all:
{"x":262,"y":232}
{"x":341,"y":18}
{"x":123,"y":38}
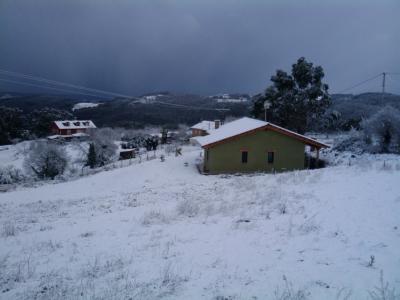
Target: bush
{"x":383,"y":291}
{"x":9,"y":229}
{"x":354,"y":142}
{"x":10,"y":175}
{"x":288,"y":292}
{"x":104,"y":146}
{"x":188,"y":208}
{"x":381,"y":132}
{"x":46,"y":160}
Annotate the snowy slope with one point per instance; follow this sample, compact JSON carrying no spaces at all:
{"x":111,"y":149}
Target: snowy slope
{"x":13,"y":154}
{"x":161,"y":230}
{"x":84,"y":105}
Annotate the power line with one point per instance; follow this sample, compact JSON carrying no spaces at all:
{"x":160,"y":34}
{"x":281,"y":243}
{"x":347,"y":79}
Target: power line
{"x":54,"y":82}
{"x":47,"y":87}
{"x":191,"y":107}
{"x":94,"y":95}
{"x":360,"y":83}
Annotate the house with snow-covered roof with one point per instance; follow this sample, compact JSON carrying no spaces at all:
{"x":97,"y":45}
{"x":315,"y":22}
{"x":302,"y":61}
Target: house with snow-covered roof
{"x":250,"y":145}
{"x":72,"y":127}
{"x":205,"y":127}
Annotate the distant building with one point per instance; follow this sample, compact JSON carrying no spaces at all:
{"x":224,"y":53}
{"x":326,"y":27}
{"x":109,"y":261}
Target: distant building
{"x":71,"y":128}
{"x":250,"y":145}
{"x":205,"y":127}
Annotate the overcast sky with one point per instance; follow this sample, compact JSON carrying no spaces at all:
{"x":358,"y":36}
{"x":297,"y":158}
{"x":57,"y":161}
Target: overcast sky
{"x":206,"y":47}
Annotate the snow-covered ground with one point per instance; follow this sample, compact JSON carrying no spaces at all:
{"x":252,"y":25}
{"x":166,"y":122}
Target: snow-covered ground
{"x":14,"y":155}
{"x":84,"y":105}
{"x":162,"y":230}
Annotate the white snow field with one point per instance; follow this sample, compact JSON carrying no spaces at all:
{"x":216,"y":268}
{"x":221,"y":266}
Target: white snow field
{"x":161,"y":230}
{"x":84,"y":105}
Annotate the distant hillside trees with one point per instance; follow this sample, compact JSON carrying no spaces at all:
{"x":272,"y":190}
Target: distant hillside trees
{"x":16,"y":124}
{"x":295,"y":100}
{"x":40,"y":120}
{"x":10,"y":124}
{"x":45,"y":160}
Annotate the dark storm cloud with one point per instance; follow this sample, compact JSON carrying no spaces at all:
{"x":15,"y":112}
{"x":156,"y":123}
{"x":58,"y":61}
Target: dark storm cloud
{"x":205,"y":47}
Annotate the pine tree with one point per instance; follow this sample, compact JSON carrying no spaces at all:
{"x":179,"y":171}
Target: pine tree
{"x":295,"y":100}
{"x":91,"y":157}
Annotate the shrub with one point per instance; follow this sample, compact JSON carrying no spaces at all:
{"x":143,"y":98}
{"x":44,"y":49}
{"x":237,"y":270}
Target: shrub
{"x":354,"y":142}
{"x":154,"y":217}
{"x":9,"y":229}
{"x":10,"y":175}
{"x":287,"y":292}
{"x":383,"y":291}
{"x":46,"y":160}
{"x":104,"y":147}
{"x":188,"y":208}
{"x":381,"y":132}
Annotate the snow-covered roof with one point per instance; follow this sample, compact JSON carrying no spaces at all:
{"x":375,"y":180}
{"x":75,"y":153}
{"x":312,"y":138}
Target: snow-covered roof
{"x":230,"y":129}
{"x":245,"y":125}
{"x":204,"y":125}
{"x":75,"y":124}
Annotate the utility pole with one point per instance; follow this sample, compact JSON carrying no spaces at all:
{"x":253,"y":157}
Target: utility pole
{"x":267,"y":105}
{"x":383,"y":84}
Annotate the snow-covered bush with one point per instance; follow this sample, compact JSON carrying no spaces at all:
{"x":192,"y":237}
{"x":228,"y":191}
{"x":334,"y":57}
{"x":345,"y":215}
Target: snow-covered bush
{"x":10,"y":175}
{"x":379,"y":134}
{"x":9,"y":229}
{"x":105,"y":149}
{"x":188,"y":208}
{"x":154,"y":217}
{"x":354,"y":142}
{"x":383,"y":291}
{"x":169,"y":149}
{"x":382,"y":131}
{"x":46,"y":160}
{"x":288,"y":292}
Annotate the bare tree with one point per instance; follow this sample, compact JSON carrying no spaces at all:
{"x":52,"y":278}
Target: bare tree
{"x":46,"y":160}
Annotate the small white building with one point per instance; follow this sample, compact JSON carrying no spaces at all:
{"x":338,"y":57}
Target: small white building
{"x":205,"y":127}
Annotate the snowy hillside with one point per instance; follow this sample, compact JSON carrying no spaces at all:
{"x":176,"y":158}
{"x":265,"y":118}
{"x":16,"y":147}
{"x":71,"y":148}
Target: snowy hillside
{"x":161,"y":230}
{"x":14,"y":155}
{"x":84,"y":105}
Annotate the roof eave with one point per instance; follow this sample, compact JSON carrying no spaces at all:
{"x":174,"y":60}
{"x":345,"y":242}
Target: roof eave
{"x":304,"y":139}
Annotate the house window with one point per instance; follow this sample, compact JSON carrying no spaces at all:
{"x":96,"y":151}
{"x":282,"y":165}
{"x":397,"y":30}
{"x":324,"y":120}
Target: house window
{"x":271,"y":156}
{"x":245,"y":155}
{"x":207,"y":154}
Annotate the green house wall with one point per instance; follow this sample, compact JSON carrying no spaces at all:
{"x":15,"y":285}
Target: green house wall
{"x":227,"y":157}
